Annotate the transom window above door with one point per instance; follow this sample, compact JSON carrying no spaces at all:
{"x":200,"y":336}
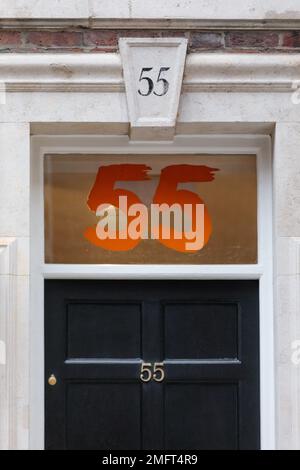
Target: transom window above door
{"x":150,"y":209}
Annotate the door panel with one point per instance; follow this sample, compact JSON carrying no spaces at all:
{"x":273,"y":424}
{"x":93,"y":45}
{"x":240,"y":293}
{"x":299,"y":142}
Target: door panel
{"x":99,"y":332}
{"x":217,"y":322}
{"x":94,"y":407}
{"x":213,"y":405}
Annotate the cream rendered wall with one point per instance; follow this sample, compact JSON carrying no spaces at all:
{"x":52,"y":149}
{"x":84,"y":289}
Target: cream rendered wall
{"x":170,"y":9}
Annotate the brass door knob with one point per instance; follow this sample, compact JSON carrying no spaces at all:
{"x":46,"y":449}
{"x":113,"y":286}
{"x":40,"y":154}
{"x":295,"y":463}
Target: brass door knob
{"x":52,"y":380}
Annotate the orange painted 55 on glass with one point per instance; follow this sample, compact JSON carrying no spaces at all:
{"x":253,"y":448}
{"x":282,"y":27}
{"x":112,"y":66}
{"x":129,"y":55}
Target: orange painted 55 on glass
{"x":177,"y":218}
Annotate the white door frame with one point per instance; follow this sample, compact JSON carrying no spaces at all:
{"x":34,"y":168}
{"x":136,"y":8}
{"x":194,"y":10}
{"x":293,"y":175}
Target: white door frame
{"x":263,"y":270}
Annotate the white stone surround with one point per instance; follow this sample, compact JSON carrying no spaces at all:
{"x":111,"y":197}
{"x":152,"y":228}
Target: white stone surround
{"x":14,"y":284}
{"x":222,"y":94}
{"x":8,"y":280}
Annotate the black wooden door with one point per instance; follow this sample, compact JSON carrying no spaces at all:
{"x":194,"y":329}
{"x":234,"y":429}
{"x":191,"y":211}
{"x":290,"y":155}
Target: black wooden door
{"x":99,"y":332}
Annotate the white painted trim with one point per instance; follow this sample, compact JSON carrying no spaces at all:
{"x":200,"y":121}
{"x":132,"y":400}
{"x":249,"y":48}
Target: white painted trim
{"x":266,"y":293}
{"x":152,"y":271}
{"x":8,"y":271}
{"x":103,"y":72}
{"x":229,"y":144}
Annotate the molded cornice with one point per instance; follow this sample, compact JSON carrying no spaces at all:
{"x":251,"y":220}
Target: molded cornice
{"x":103,"y":72}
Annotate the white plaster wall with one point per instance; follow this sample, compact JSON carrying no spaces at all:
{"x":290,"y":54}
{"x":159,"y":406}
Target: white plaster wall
{"x":213,"y":9}
{"x":190,"y":9}
{"x":44,"y":9}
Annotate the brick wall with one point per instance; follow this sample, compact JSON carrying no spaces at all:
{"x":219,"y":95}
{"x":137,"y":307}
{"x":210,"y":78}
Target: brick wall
{"x":91,"y":40}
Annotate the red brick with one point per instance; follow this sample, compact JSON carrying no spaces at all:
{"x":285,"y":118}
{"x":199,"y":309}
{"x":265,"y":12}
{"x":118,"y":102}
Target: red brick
{"x":174,"y":34}
{"x":54,"y":39}
{"x":10,"y":38}
{"x":152,"y":33}
{"x":100,"y":38}
{"x":291,"y":39}
{"x":205,"y":40}
{"x":107,"y":40}
{"x":135,"y":33}
{"x":251,"y":39}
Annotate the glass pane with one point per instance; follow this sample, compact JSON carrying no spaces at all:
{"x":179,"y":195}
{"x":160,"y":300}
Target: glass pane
{"x":192,"y":209}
